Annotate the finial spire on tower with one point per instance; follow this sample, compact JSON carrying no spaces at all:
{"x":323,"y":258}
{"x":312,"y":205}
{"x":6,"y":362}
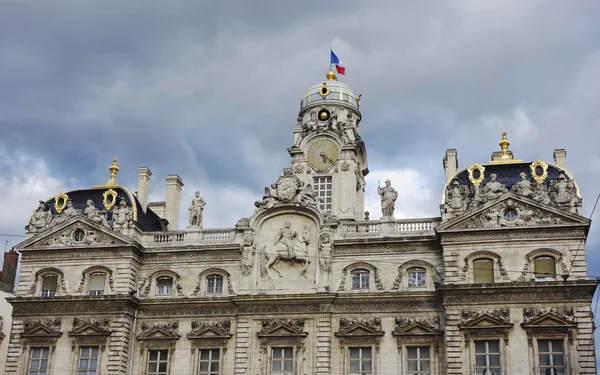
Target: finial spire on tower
{"x":504,"y":156}
{"x":112,"y":181}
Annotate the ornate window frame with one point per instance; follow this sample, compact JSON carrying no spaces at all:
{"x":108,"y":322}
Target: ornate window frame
{"x":40,"y":334}
{"x":158,"y":336}
{"x":36,"y":287}
{"x":149,"y":288}
{"x":359,"y":332}
{"x":486,"y":325}
{"x":201,"y":286}
{"x":422,"y":331}
{"x":374,"y":279}
{"x":90,"y":332}
{"x":432,"y":276}
{"x":280,"y":333}
{"x":109,"y":283}
{"x":528,"y":273}
{"x":209,"y":335}
{"x":500,"y":274}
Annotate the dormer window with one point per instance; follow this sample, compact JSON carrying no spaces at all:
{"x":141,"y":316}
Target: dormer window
{"x":323,"y":188}
{"x":545,"y":268}
{"x":164,"y":286}
{"x":417,"y":277}
{"x":360,"y":279}
{"x":49,"y":283}
{"x":214,"y":284}
{"x":96,"y":284}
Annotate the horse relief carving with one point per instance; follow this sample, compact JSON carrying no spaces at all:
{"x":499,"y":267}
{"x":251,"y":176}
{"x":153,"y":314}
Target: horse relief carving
{"x":290,"y":246}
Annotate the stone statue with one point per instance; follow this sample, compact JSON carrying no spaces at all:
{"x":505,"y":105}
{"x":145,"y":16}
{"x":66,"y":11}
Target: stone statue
{"x":388,"y":199}
{"x":122,"y":215}
{"x":540,"y":194}
{"x":66,"y":214}
{"x":493,"y":188}
{"x":289,"y":246}
{"x":248,"y":252}
{"x":325,"y":252}
{"x":524,"y":187}
{"x":94,"y":214}
{"x":457,"y":195}
{"x":562,"y":191}
{"x":284,"y":239}
{"x":285,"y":190}
{"x":196,"y":211}
{"x":41,"y":218}
{"x":306,"y":196}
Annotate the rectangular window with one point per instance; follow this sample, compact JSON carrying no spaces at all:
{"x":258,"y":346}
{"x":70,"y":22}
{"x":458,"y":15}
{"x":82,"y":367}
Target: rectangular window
{"x":38,"y":361}
{"x":551,"y":357}
{"x":418,"y":360}
{"x":360,"y":279}
{"x":483,"y":271}
{"x":49,"y":285}
{"x":158,"y":362}
{"x":282,"y":361}
{"x":545,"y":268}
{"x":96,"y":285}
{"x":209,"y":361}
{"x":323,"y":189}
{"x":360,"y":361}
{"x":88,"y":360}
{"x":164,"y":286}
{"x":416,"y":277}
{"x":214,"y":284}
{"x":487,"y":357}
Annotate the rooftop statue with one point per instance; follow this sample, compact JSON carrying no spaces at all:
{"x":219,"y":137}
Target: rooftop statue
{"x":94,"y":214}
{"x":122,"y":215}
{"x":196,"y":209}
{"x":66,"y":214}
{"x":493,"y":188}
{"x":524,"y":187}
{"x":388,"y":199}
{"x":40,"y":218}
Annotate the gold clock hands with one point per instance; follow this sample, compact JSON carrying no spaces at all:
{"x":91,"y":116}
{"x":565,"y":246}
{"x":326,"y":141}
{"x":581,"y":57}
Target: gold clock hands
{"x":325,"y":157}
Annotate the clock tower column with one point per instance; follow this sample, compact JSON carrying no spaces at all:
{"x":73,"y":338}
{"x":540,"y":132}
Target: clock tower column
{"x":328,"y":152}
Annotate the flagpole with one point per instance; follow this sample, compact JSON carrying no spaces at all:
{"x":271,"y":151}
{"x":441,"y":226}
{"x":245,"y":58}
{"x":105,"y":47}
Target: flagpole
{"x":330,"y":51}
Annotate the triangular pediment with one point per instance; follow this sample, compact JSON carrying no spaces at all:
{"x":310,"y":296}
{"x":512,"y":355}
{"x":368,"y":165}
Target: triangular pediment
{"x":158,"y":334}
{"x":416,"y":328}
{"x":511,"y":210}
{"x":209,"y":333}
{"x":89,"y":330}
{"x":64,"y":235}
{"x":40,"y":331}
{"x":282,"y":330}
{"x":549,"y":320}
{"x":485,"y":321}
{"x":359,"y":330}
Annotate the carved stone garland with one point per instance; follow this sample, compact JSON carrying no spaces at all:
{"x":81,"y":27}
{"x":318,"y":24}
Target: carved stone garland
{"x":524,"y":277}
{"x":111,"y":281}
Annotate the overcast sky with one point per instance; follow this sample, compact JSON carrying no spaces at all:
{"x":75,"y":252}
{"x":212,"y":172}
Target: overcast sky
{"x":210,"y":91}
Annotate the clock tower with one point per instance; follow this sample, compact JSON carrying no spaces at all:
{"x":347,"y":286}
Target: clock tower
{"x":328,"y":152}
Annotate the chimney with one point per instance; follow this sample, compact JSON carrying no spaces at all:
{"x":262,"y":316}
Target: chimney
{"x":450,"y":163}
{"x":143,"y":184}
{"x":158,"y":208}
{"x":9,"y":271}
{"x":560,"y":157}
{"x":174,"y":185}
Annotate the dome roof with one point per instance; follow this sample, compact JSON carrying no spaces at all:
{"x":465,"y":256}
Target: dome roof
{"x":330,"y":91}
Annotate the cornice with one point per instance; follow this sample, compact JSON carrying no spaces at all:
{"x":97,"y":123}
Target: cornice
{"x":80,"y":305}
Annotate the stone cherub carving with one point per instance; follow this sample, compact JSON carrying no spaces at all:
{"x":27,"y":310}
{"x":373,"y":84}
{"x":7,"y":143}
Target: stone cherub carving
{"x":94,"y":214}
{"x":523,"y":187}
{"x":494,"y":188}
{"x":457,"y":195}
{"x":325,"y":252}
{"x":122,"y":215}
{"x":307,"y":196}
{"x":289,"y":245}
{"x":41,"y":218}
{"x":388,"y":199}
{"x":248,"y":252}
{"x":196,"y":209}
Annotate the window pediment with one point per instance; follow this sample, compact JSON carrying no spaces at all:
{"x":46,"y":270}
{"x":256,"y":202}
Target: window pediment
{"x":417,"y":326}
{"x":42,"y":331}
{"x":485,"y":324}
{"x":543,"y":318}
{"x":282,"y":328}
{"x":90,"y":327}
{"x":360,"y":328}
{"x":159,"y":331}
{"x":220,"y":329}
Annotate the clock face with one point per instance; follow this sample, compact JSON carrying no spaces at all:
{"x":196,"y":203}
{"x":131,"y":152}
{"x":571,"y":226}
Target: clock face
{"x":322,"y":154}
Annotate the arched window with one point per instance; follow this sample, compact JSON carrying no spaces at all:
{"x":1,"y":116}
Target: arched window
{"x":545,"y":268}
{"x":483,"y":271}
{"x":360,"y":279}
{"x":96,"y":284}
{"x":417,"y":277}
{"x":49,"y":285}
{"x":214,"y":284}
{"x":164,"y":286}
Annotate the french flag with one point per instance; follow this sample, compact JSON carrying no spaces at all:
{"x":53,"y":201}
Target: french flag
{"x":339,"y":67}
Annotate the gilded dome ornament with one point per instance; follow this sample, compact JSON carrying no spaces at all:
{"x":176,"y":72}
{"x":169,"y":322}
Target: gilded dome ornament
{"x":60,"y":202}
{"x":331,"y":75}
{"x":112,"y":181}
{"x":109,"y":199}
{"x":539,"y":171}
{"x":324,"y":90}
{"x":476,"y":174}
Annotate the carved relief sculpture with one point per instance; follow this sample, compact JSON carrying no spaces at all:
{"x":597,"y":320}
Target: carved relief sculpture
{"x":287,"y":189}
{"x":493,"y":188}
{"x":457,"y":195}
{"x":248,"y":252}
{"x":432,"y":322}
{"x":122,"y":215}
{"x":289,"y":245}
{"x":524,"y":187}
{"x":347,"y":325}
{"x":94,"y":214}
{"x":388,"y":199}
{"x":196,"y":209}
{"x":66,"y":214}
{"x":40,"y":219}
{"x":530,"y":313}
{"x":325,"y":252}
{"x":467,"y":316}
{"x":562,"y":192}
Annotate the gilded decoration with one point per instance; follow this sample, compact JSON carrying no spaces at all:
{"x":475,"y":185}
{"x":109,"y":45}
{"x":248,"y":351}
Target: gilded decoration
{"x":505,"y":156}
{"x":109,"y":199}
{"x":112,"y":181}
{"x":539,"y":171}
{"x":324,"y":90}
{"x":476,"y":174}
{"x":60,"y":202}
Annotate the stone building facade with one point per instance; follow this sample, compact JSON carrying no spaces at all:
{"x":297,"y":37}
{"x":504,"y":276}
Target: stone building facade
{"x":309,"y":284}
